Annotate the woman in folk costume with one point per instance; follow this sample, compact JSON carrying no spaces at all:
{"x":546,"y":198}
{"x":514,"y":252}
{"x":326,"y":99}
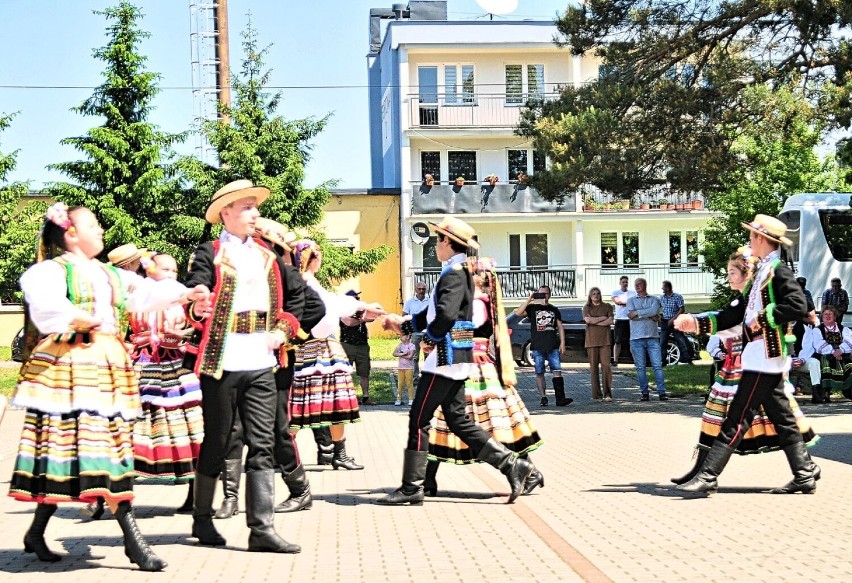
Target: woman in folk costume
{"x":323,"y":393}
{"x":832,"y":343}
{"x":78,"y":383}
{"x":761,"y":435}
{"x":492,"y":401}
{"x":167,"y":439}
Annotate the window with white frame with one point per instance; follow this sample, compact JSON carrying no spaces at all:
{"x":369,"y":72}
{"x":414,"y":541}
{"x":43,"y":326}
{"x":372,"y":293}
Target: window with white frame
{"x":517,"y":163}
{"x":623,"y":246}
{"x":462,"y":163}
{"x":683,"y":248}
{"x":524,"y":82}
{"x":459,"y":83}
{"x":529,"y":250}
{"x":430,"y":163}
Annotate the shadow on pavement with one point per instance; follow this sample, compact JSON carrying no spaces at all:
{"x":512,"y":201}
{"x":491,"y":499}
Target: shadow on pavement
{"x":669,"y":491}
{"x":834,"y":446}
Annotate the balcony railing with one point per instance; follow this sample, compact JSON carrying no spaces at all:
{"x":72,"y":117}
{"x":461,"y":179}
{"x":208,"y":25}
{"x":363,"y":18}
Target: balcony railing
{"x":482,"y":198}
{"x":463,"y":110}
{"x":687,"y":280}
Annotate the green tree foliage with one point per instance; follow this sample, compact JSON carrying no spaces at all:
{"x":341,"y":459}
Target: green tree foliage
{"x":126,"y":175}
{"x":670,"y":102}
{"x":19,"y":227}
{"x":272,"y":151}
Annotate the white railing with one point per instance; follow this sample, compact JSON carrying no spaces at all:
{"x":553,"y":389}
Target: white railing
{"x":460,"y":110}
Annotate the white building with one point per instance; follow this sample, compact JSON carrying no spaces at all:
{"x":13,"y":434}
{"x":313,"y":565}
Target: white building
{"x":445,"y":98}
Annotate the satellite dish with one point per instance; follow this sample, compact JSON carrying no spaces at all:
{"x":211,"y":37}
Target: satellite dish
{"x":420,"y":233}
{"x":498,"y":6}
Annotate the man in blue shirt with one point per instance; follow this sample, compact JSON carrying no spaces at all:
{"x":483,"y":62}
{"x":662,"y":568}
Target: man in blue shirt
{"x":673,"y":306}
{"x":644,"y":313}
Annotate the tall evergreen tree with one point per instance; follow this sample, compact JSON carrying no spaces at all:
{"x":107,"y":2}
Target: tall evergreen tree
{"x":126,"y":176}
{"x":261,"y":146}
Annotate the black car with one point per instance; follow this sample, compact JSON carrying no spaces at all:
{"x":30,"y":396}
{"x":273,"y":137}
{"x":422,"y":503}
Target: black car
{"x":18,"y":346}
{"x":575,"y":339}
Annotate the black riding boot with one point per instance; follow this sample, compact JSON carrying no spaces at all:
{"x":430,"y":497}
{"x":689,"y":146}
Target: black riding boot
{"x":817,"y":394}
{"x":34,"y":539}
{"x":699,"y":461}
{"x":260,"y":502}
{"x":300,"y":491}
{"x":705,"y":479}
{"x":803,"y":471}
{"x":413,"y":474}
{"x":515,"y":469}
{"x":135,"y":546}
{"x":186,"y":507}
{"x":559,"y":391}
{"x":93,"y":510}
{"x":231,"y":487}
{"x":325,"y":447}
{"x":534,"y":480}
{"x":341,"y":459}
{"x":817,"y":472}
{"x":202,"y":512}
{"x":430,"y":483}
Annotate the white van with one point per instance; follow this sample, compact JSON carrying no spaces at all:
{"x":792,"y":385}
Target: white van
{"x":820,"y":226}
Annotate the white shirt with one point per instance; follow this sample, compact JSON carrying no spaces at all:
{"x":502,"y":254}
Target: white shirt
{"x":807,"y":350}
{"x":622,"y":311}
{"x":821,"y":346}
{"x":46,"y":291}
{"x":414,"y":306}
{"x":336,"y":306}
{"x":458,"y":371}
{"x":754,"y":354}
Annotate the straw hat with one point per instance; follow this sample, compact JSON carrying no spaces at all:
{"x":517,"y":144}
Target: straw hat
{"x":275,"y":233}
{"x":124,"y":254}
{"x":233,"y":191}
{"x":770,"y":228}
{"x":457,"y":230}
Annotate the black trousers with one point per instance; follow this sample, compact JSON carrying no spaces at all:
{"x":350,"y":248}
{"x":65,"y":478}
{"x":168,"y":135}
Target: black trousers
{"x":284,"y":451}
{"x":249,"y":395}
{"x":434,"y":390}
{"x":756,"y":389}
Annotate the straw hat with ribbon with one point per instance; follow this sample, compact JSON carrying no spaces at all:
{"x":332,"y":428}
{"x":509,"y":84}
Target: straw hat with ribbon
{"x":125,"y":254}
{"x":770,"y":228}
{"x":457,"y":230}
{"x":275,"y":233}
{"x":231,"y":192}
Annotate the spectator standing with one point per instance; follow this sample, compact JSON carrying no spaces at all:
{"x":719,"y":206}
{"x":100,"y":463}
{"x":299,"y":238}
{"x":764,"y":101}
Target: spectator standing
{"x":547,"y":342}
{"x":836,"y":297}
{"x":803,"y":281}
{"x":355,"y":339}
{"x":621,"y":333}
{"x":405,"y":369}
{"x":673,"y":306}
{"x":644,"y":313}
{"x":598,"y":318}
{"x":414,"y":305}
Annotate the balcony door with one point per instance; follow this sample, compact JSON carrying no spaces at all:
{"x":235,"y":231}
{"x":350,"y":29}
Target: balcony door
{"x":427,"y":81}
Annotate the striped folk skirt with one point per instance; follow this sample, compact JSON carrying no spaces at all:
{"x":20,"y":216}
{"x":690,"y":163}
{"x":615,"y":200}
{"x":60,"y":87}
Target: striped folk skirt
{"x":761,"y":436}
{"x":323,"y":393}
{"x":497,"y":409}
{"x":168,"y":435}
{"x":836,"y":375}
{"x":76,"y":445}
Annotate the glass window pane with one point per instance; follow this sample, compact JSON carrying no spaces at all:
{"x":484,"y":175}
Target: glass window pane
{"x":450,"y":80}
{"x":692,"y":248}
{"x":430,"y":259}
{"x":514,"y":251}
{"x":468,"y":83}
{"x":535,"y":81}
{"x":517,"y":163}
{"x":462,"y":163}
{"x":630,"y":248}
{"x":427,"y":80}
{"x":536,"y":251}
{"x":539,"y":160}
{"x":609,"y":250}
{"x":430,"y":163}
{"x":674,"y":248}
{"x":514,"y":84}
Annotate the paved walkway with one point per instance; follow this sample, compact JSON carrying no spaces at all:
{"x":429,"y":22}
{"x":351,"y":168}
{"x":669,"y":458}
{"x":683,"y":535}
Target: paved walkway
{"x":607,"y":512}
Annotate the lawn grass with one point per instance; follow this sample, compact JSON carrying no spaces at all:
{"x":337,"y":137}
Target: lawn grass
{"x":682,"y":380}
{"x":5,"y":353}
{"x":382,"y":348}
{"x":382,"y":386}
{"x":8,"y":378}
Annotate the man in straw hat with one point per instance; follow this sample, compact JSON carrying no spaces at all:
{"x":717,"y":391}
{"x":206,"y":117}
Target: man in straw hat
{"x":447,"y":328}
{"x":774,"y":301}
{"x":127,"y":257}
{"x":233,"y":352}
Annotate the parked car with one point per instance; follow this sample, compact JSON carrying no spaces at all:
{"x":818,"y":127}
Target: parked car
{"x":575,"y":339}
{"x":18,"y":346}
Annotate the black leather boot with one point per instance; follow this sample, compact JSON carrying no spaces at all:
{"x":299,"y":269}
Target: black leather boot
{"x":93,"y":510}
{"x":202,"y":512}
{"x":515,"y":469}
{"x":260,"y":500}
{"x":534,"y":480}
{"x":325,"y":447}
{"x":188,"y":503}
{"x":699,"y":461}
{"x":341,"y":459}
{"x":430,"y":483}
{"x":231,"y":487}
{"x":300,"y":491}
{"x":135,"y":546}
{"x":815,"y":469}
{"x":817,"y":394}
{"x":559,"y":391}
{"x":803,"y":471}
{"x":413,"y":474}
{"x":705,"y":480}
{"x":34,"y":539}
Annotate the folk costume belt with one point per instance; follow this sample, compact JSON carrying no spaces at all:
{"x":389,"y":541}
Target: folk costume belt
{"x":167,"y":341}
{"x":249,"y":322}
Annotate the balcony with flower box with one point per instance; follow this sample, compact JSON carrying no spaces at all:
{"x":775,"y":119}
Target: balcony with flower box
{"x":482,"y":197}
